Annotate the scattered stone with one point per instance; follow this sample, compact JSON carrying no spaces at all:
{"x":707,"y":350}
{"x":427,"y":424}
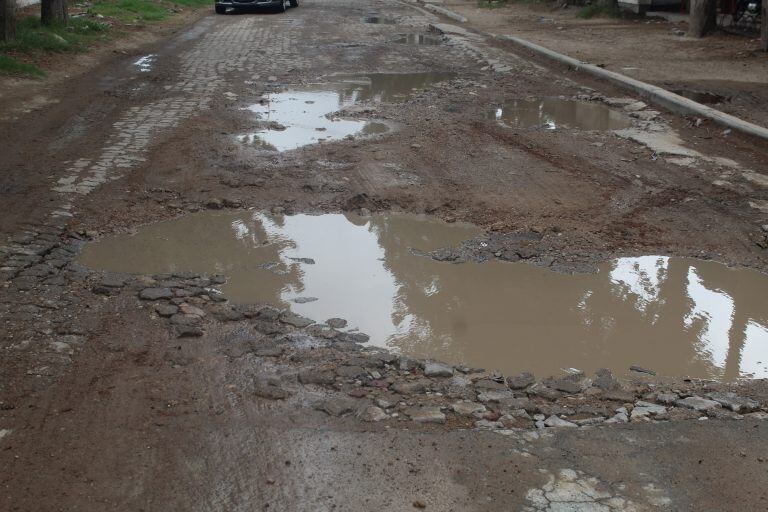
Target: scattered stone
{"x":643,"y":410}
{"x":336,"y":406}
{"x":304,"y":300}
{"x":521,"y":381}
{"x":494,"y":395}
{"x":113,"y":281}
{"x":554,"y":421}
{"x":350,"y":372}
{"x":667,"y":398}
{"x":188,"y":331}
{"x":214,"y":204}
{"x":336,"y":323}
{"x":353,"y":337}
{"x":181,"y":319}
{"x":619,"y":417}
{"x":589,"y":422}
{"x":271,"y":391}
{"x":604,"y":379}
{"x":425,"y":414}
{"x":468,"y":408}
{"x":697,"y":403}
{"x":372,"y":414}
{"x":295,"y":320}
{"x":543,"y":391}
{"x":436,"y":369}
{"x":409,"y":387}
{"x":571,"y":383}
{"x":734,"y":402}
{"x":488,"y":424}
{"x":640,"y":369}
{"x":306,"y":261}
{"x":166,"y":310}
{"x":155,"y":293}
{"x":189,"y":309}
{"x":314,"y":376}
{"x":484,"y":384}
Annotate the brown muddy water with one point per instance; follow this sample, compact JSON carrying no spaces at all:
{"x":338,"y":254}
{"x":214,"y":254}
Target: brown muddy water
{"x":673,"y":315}
{"x":556,"y":113}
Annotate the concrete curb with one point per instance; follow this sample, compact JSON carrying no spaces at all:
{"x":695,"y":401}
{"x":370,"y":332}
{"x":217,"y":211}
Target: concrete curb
{"x":662,"y":97}
{"x":445,"y":12}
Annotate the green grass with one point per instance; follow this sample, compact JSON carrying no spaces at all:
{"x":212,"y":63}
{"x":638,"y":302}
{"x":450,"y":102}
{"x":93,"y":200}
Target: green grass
{"x":33,"y":37}
{"x":141,"y":11}
{"x":594,"y":10}
{"x":131,"y":11}
{"x":11,"y":66}
{"x":34,"y":40}
{"x":491,"y":4}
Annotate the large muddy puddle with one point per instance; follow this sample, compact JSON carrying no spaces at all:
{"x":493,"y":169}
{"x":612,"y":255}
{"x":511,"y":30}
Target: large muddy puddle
{"x":673,"y":315}
{"x":556,"y":113}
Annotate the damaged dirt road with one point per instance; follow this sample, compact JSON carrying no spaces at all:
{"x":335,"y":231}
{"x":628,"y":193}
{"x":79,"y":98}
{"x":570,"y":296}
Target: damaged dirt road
{"x":134,"y":381}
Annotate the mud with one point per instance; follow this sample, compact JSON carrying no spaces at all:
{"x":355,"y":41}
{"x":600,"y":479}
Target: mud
{"x":137,"y":392}
{"x":677,"y":316}
{"x":556,"y":113}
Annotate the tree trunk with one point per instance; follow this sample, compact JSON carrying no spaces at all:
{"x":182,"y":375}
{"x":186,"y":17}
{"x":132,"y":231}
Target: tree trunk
{"x":703,"y":17}
{"x":53,"y":12}
{"x":7,"y":20}
{"x":764,"y":27}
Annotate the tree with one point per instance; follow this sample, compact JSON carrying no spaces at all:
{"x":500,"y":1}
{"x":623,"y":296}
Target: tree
{"x":7,"y":20}
{"x":53,"y":12}
{"x":703,"y":17}
{"x":764,"y":27}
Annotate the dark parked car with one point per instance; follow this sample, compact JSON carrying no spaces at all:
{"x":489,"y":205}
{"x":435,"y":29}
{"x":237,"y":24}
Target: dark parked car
{"x":252,"y":5}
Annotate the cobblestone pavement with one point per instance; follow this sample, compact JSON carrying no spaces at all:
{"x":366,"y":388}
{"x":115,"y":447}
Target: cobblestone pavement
{"x":122,"y":392}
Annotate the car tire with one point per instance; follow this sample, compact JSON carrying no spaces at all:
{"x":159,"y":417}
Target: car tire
{"x":294,"y":3}
{"x":281,"y":7}
{"x":220,"y":9}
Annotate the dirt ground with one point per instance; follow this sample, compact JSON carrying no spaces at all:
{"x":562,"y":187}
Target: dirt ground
{"x":102,"y":406}
{"x":650,"y":49}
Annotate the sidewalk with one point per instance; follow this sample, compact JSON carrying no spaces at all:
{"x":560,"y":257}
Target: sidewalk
{"x":646,"y":49}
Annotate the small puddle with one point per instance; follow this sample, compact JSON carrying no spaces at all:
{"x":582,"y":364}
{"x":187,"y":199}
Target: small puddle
{"x":298,"y":118}
{"x":418,"y":39}
{"x":555,"y":113}
{"x":707,"y":98}
{"x":378,"y":87}
{"x":674,"y":315}
{"x":145,"y":63}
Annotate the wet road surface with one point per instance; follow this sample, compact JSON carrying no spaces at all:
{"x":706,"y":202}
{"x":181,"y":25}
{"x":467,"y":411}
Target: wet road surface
{"x":103,"y":407}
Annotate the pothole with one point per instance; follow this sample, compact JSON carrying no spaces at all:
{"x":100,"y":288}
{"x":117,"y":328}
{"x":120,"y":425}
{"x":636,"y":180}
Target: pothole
{"x":557,"y":113}
{"x":676,"y":316}
{"x":296,"y":118}
{"x":705,"y":97}
{"x":378,"y":87}
{"x":418,"y":39}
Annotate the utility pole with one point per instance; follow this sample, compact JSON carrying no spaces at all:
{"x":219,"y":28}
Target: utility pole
{"x":53,"y":12}
{"x":702,"y":18}
{"x":7,"y":20}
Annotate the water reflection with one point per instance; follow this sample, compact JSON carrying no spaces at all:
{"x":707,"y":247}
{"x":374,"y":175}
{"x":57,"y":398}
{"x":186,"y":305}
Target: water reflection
{"x":554,"y":113}
{"x":299,"y":118}
{"x":677,"y":316}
